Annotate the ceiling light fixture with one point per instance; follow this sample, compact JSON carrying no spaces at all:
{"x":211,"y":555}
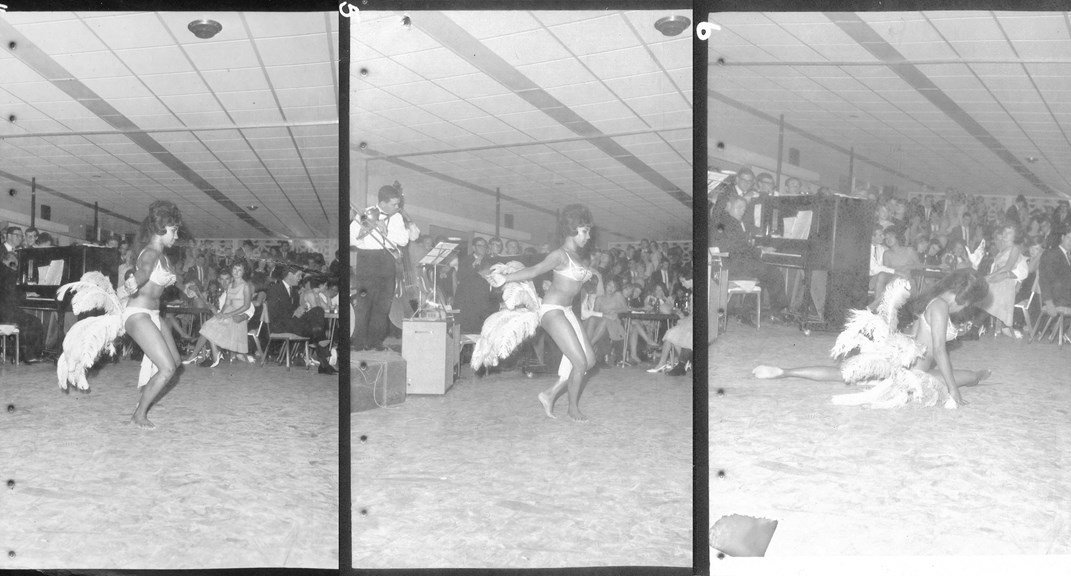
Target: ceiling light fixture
{"x":205,"y":29}
{"x":252,"y":207}
{"x":1031,"y":159}
{"x":672,"y":25}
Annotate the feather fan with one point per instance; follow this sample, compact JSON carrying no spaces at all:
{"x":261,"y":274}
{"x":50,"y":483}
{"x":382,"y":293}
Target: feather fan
{"x":85,"y":342}
{"x":885,"y":357}
{"x":505,"y":330}
{"x":89,"y":338}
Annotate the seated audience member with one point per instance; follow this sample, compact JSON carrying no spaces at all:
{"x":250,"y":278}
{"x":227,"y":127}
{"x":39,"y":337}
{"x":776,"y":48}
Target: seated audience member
{"x":733,"y":235}
{"x":903,"y":259}
{"x":966,"y":232}
{"x":1055,"y":271}
{"x":31,"y":332}
{"x":880,"y":274}
{"x":200,"y":271}
{"x":609,"y":306}
{"x":1007,"y":269}
{"x":287,"y":315}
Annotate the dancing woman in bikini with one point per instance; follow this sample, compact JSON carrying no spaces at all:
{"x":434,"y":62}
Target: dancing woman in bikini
{"x":141,"y":317}
{"x":924,"y":318}
{"x":556,"y":313}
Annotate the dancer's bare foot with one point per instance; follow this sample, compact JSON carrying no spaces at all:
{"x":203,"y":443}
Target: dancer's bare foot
{"x":984,"y":374}
{"x":577,"y":416}
{"x":142,"y":421}
{"x":767,"y":372}
{"x":548,"y":404}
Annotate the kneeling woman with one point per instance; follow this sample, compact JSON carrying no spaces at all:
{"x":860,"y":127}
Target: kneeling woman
{"x":141,"y":317}
{"x":925,"y":320}
{"x":556,"y":314}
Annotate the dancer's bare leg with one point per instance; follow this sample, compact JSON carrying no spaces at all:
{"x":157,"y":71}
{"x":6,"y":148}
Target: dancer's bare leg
{"x":581,"y":357}
{"x":816,"y":373}
{"x":155,"y":345}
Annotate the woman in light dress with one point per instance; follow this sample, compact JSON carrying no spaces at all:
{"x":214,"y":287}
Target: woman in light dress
{"x":1003,"y":279}
{"x":229,"y":328}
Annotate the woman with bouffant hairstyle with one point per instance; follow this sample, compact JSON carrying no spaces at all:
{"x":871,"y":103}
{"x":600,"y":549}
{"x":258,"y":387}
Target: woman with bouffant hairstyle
{"x":555,"y":311}
{"x":141,"y":317}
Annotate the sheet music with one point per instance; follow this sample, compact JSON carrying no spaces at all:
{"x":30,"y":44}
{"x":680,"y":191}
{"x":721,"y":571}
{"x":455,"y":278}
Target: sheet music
{"x":438,"y":253}
{"x":714,"y":178}
{"x":800,"y":226}
{"x":53,"y":276}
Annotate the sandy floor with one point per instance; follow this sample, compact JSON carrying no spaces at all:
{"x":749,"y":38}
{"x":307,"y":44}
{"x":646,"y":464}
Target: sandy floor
{"x":242,"y":470}
{"x":988,"y":479}
{"x":481,"y":478}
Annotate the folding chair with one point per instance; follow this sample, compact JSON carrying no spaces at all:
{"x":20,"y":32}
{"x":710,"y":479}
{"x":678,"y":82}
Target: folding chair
{"x":8,"y":331}
{"x":290,"y":341}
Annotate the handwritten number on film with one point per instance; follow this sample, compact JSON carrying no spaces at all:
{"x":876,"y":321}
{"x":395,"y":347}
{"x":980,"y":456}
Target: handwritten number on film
{"x":347,"y":9}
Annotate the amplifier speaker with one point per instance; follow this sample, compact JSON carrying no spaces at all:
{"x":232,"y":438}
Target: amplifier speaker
{"x":433,"y":353}
{"x":376,"y":379}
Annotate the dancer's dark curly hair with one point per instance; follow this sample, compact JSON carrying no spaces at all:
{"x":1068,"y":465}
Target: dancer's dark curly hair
{"x":572,"y":217}
{"x":968,"y":285}
{"x":162,"y":214}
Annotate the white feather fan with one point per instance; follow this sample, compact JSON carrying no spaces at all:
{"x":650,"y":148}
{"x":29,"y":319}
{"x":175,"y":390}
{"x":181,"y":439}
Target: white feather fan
{"x":89,"y":337}
{"x":86,"y":341}
{"x":506,"y":329}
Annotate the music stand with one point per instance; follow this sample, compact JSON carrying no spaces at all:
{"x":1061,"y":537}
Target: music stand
{"x":435,"y":257}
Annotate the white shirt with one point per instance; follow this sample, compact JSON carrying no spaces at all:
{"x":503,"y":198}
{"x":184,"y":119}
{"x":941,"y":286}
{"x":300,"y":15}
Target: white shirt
{"x":396,"y":233}
{"x":877,"y":256}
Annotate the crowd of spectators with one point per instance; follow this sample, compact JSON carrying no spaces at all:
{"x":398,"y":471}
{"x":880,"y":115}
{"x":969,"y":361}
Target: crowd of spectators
{"x":919,"y":238}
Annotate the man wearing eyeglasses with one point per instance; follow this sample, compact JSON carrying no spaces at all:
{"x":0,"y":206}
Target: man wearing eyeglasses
{"x":12,"y":240}
{"x":739,"y":185}
{"x":31,"y":332}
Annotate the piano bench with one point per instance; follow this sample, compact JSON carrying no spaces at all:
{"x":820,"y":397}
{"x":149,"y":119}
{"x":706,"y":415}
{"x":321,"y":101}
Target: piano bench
{"x":7,"y":331}
{"x":743,"y":289}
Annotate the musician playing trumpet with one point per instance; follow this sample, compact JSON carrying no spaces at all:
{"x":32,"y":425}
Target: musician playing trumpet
{"x":377,"y":235}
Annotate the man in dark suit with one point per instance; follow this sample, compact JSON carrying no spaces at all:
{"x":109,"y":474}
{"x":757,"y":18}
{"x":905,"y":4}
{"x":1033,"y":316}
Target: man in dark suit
{"x":966,"y":233}
{"x":1017,"y":213}
{"x":200,"y":272}
{"x":12,"y":240}
{"x":738,"y":186}
{"x":286,"y":315}
{"x":732,"y":234}
{"x":1055,"y":270}
{"x":664,"y":276}
{"x":31,"y":332}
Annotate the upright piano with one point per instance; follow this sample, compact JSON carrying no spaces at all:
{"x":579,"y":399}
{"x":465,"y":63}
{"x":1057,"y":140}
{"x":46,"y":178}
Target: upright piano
{"x":832,"y":251}
{"x":43,"y":270}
